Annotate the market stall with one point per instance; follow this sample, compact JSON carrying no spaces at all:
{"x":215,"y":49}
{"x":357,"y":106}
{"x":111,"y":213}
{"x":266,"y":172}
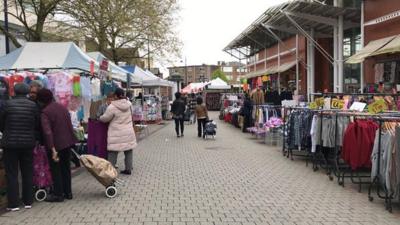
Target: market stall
{"x":153,"y":89}
{"x":213,"y":92}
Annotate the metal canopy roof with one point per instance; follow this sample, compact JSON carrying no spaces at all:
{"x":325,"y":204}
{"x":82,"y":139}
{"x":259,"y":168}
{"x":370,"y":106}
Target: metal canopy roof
{"x":282,"y":21}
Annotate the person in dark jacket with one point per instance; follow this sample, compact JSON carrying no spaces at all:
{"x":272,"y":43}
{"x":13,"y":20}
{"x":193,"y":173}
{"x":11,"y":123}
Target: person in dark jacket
{"x":246,"y":112}
{"x":19,"y":124}
{"x":178,"y":111}
{"x":59,"y":139}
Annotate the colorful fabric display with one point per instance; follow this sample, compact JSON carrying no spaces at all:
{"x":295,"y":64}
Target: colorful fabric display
{"x":86,"y":90}
{"x":76,"y":85}
{"x":95,"y":86}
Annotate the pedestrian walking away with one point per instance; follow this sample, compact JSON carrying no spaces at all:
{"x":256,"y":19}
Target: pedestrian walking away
{"x":121,"y":135}
{"x":202,"y":116}
{"x":19,"y":123}
{"x":59,"y":138}
{"x":178,"y":112}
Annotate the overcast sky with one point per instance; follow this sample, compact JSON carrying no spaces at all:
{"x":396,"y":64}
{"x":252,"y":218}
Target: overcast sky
{"x":207,"y":26}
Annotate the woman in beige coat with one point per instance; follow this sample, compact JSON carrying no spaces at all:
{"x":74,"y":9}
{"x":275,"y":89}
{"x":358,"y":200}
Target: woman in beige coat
{"x":121,"y":135}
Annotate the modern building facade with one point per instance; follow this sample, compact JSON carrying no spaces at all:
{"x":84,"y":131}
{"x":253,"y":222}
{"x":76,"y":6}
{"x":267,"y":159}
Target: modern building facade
{"x":381,"y":32}
{"x":194,"y":73}
{"x":303,"y":45}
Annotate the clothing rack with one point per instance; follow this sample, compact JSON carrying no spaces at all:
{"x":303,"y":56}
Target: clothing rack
{"x":336,"y":169}
{"x":286,"y":150}
{"x":354,"y":94}
{"x":376,"y":180}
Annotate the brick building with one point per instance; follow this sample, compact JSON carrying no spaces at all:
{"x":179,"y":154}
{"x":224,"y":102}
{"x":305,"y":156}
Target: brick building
{"x":193,"y":74}
{"x":303,"y":45}
{"x":234,"y":71}
{"x":380,"y":57}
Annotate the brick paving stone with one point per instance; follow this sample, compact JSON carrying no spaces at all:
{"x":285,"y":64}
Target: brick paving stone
{"x":230,"y":180}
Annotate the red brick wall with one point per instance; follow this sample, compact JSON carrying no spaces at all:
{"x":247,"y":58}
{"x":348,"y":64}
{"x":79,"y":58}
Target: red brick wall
{"x":287,"y":46}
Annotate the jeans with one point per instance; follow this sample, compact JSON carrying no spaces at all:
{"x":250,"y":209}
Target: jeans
{"x":201,"y":123}
{"x":113,"y":156}
{"x":61,"y":172}
{"x":23,"y":157}
{"x":179,"y":122}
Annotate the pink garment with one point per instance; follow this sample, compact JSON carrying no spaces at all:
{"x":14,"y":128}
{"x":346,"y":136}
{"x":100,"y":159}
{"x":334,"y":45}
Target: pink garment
{"x":121,"y":135}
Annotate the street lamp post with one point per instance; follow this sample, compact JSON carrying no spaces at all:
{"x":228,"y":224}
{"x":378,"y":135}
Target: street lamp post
{"x":6,"y":27}
{"x":186,"y":76}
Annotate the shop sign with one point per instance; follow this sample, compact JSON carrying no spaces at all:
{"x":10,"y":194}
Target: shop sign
{"x":313,"y":105}
{"x":91,"y":67}
{"x":265,"y":78}
{"x":319,"y":102}
{"x":337,"y":103}
{"x":377,"y":107}
{"x":103,"y":69}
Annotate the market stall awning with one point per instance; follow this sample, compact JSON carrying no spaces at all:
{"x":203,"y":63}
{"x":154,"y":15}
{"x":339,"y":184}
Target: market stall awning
{"x":369,"y":50}
{"x":47,"y":55}
{"x":218,"y":84}
{"x":256,"y":73}
{"x":392,"y":47}
{"x":148,"y":79}
{"x":272,"y":70}
{"x":193,"y":88}
{"x":282,"y":68}
{"x":117,"y":71}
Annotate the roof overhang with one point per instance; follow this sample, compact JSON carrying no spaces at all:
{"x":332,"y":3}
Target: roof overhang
{"x":282,"y":21}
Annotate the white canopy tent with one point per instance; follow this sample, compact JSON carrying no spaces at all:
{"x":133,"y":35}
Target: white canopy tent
{"x":47,"y":55}
{"x":117,"y":71}
{"x":218,"y":84}
{"x":149,"y":79}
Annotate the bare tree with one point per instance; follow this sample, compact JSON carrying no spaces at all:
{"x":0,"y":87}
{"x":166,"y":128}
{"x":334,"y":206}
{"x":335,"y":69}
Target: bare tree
{"x":32,"y":15}
{"x":118,"y":24}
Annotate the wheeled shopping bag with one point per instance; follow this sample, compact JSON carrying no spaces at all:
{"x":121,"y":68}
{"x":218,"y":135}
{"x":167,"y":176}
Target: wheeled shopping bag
{"x":42,"y":179}
{"x":103,"y":171}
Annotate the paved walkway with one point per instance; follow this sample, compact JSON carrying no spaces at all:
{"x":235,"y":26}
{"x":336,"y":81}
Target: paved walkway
{"x":232,"y":180}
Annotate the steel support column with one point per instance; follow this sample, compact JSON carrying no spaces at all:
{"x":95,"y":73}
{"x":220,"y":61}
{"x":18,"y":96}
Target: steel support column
{"x":340,"y":51}
{"x":312,"y":65}
{"x":279,"y":65}
{"x":362,"y":45}
{"x":297,"y":63}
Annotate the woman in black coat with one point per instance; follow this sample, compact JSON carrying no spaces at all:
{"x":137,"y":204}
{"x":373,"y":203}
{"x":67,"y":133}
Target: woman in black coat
{"x":178,"y":111}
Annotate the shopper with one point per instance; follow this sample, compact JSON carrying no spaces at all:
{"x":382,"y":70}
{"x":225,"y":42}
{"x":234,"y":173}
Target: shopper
{"x":59,"y":139}
{"x":19,"y":123}
{"x":178,"y":112}
{"x":202,"y":116}
{"x":121,"y":135}
{"x":102,"y":109}
{"x":35,"y":87}
{"x":247,"y":112}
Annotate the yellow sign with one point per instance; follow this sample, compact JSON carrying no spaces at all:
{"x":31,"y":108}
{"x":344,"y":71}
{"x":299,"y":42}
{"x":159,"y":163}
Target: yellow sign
{"x":313,"y":105}
{"x":377,"y":106}
{"x":319,"y":102}
{"x":337,"y":103}
{"x":265,"y":78}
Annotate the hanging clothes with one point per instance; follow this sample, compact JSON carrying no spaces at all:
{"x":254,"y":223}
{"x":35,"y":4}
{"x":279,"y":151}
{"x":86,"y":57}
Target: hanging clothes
{"x":76,"y":85}
{"x":358,"y":143}
{"x":86,"y":90}
{"x":95,"y":86}
{"x":97,"y":138}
